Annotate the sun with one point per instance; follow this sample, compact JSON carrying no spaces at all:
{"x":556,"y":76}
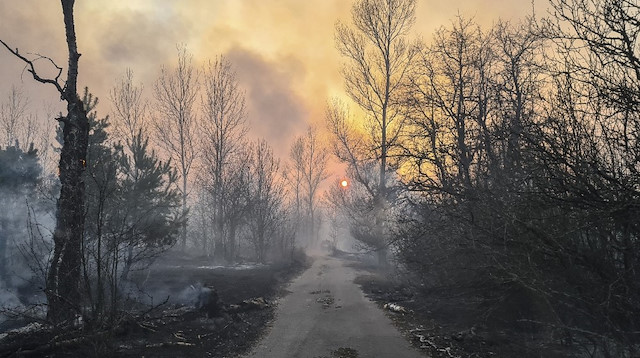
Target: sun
{"x":344,"y":183}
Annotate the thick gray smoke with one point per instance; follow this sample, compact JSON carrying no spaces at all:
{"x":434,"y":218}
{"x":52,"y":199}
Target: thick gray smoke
{"x":275,"y":110}
{"x":26,"y":224}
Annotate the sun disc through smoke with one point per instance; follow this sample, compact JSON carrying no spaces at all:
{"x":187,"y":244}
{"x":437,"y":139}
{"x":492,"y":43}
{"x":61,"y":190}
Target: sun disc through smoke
{"x":344,"y":183}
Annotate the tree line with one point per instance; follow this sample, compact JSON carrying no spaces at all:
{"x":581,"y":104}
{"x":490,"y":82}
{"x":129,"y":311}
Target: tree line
{"x":172,"y":169}
{"x":502,"y":161}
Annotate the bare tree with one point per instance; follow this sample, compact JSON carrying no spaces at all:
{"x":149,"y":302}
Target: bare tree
{"x":591,"y":145}
{"x":379,"y":60}
{"x":174,"y":121}
{"x":266,"y":197}
{"x":63,"y":295}
{"x":524,"y":150}
{"x":450,"y":95}
{"x":223,"y":129}
{"x":350,"y":145}
{"x":520,"y":81}
{"x":16,"y":124}
{"x":237,"y":184}
{"x":307,"y":171}
{"x":129,"y":109}
{"x":47,"y":146}
{"x":364,"y":208}
{"x":129,"y":115}
{"x":293,"y":174}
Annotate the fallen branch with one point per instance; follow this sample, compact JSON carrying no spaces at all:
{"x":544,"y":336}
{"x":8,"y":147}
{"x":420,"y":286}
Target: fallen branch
{"x":170,"y":344}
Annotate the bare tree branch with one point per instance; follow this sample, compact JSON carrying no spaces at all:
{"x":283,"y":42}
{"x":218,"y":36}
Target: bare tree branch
{"x":31,"y":68}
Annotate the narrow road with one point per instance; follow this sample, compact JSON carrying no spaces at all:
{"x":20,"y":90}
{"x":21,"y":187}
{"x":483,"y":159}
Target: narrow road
{"x":326,"y":314}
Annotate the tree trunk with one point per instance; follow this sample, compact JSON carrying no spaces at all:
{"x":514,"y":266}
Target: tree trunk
{"x":183,"y":234}
{"x":128,"y":262}
{"x":232,"y":243}
{"x":63,"y":293}
{"x":220,"y":226}
{"x":3,"y":250}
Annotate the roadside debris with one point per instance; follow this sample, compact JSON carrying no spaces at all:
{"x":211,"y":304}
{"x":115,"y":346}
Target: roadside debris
{"x":247,"y":266}
{"x":169,"y":344}
{"x":424,"y":341}
{"x":317,"y":292}
{"x":394,"y":307}
{"x":326,"y":301}
{"x":428,"y":342}
{"x":345,"y":352}
{"x":258,"y":303}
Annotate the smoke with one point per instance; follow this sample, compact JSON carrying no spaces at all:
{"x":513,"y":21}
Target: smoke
{"x":8,"y":299}
{"x":142,"y":39}
{"x":275,"y":111}
{"x":26,"y":224}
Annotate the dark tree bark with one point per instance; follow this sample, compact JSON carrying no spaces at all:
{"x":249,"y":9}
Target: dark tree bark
{"x":3,"y":249}
{"x":63,"y":294}
{"x":63,"y":278}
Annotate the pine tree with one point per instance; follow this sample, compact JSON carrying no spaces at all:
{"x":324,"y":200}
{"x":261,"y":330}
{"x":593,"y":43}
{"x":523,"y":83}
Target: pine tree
{"x":133,"y":212}
{"x":151,"y":212}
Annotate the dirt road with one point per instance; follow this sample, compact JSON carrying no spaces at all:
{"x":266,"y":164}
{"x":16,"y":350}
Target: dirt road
{"x":327,"y":315}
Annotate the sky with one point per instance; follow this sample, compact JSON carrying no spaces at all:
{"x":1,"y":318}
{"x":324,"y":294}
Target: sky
{"x":283,"y":50}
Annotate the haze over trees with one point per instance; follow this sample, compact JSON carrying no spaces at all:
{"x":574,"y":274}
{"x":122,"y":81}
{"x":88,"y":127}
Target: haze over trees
{"x":118,"y":200}
{"x":496,"y":163}
{"x":224,"y":126}
{"x":175,"y":123}
{"x":307,"y":170}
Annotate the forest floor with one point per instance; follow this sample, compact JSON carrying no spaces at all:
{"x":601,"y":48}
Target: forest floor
{"x":179,"y":327}
{"x":451,"y":323}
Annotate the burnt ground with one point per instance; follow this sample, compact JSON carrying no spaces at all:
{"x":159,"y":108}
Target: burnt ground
{"x":176,"y":328}
{"x":453,"y":322}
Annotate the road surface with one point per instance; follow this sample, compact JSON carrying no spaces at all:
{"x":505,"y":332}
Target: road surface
{"x":326,"y":314}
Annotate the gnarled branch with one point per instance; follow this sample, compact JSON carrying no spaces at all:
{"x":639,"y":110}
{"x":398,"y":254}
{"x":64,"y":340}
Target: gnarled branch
{"x":31,"y":68}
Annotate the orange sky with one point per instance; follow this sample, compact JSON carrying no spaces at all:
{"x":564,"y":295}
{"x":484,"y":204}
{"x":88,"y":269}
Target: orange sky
{"x":283,"y":49}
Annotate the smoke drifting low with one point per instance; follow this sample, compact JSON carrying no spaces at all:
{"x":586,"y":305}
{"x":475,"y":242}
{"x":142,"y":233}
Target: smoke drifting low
{"x":24,"y":227}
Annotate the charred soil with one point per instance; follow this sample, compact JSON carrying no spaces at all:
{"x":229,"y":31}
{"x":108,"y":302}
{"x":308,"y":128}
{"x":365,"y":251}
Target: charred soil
{"x":241,"y":307}
{"x":453,"y":322}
